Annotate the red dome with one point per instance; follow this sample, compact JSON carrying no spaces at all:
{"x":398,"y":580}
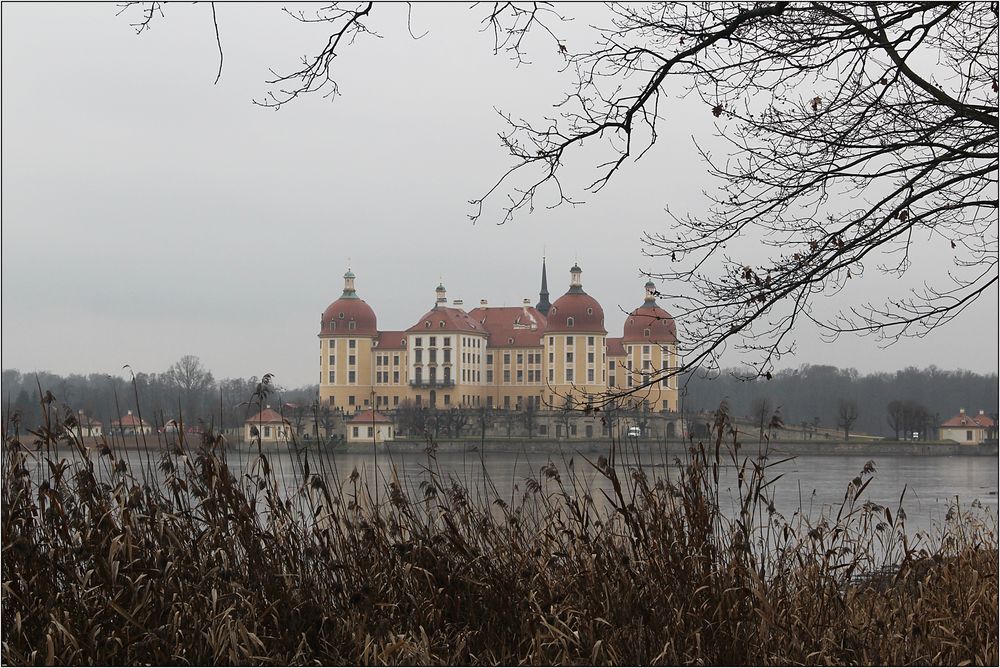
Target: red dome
{"x":587,"y":314}
{"x":339,"y":316}
{"x":650,"y":323}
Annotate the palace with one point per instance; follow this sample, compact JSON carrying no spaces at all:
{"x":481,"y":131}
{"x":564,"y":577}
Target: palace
{"x":517,"y":357}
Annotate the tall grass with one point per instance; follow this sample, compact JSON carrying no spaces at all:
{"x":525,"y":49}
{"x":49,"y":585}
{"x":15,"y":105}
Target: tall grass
{"x":201,"y":564}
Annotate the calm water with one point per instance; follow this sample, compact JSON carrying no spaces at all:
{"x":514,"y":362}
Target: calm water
{"x":813,"y":483}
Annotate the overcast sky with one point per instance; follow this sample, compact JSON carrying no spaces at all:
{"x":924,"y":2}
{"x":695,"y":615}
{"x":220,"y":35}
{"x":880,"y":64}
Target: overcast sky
{"x":148,"y":214}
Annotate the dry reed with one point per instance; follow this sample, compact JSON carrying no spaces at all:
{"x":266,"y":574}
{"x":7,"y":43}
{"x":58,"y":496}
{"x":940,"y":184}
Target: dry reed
{"x":200,"y":565}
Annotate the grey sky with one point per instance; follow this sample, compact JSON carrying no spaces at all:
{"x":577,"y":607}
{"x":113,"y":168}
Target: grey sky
{"x":148,"y":214}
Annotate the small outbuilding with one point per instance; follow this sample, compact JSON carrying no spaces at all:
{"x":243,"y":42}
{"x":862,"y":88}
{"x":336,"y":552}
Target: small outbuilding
{"x":968,"y":429}
{"x":130,"y":425}
{"x":269,"y":425}
{"x":364,"y":426}
{"x":88,"y":427}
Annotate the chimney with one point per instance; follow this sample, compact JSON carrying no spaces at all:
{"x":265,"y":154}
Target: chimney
{"x":526,"y":302}
{"x":457,"y":302}
{"x":961,"y":411}
{"x":982,"y":412}
{"x":130,"y":411}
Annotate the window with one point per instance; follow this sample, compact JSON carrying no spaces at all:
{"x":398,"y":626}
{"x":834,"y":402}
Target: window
{"x":611,"y":381}
{"x":351,"y":377}
{"x":569,"y":375}
{"x":352,"y":325}
{"x":552,"y":340}
{"x":330,"y":380}
{"x":434,"y":355}
{"x":569,"y":357}
{"x":395,"y":376}
{"x":395,"y":400}
{"x":489,"y":358}
{"x":590,"y":375}
{"x":332,"y":360}
{"x":418,"y":375}
{"x":552,"y":358}
{"x":506,"y":402}
{"x":569,"y":340}
{"x":433,"y":341}
{"x":441,"y":324}
{"x":569,"y":322}
{"x":590,"y":358}
{"x":352,"y":343}
{"x":395,"y":360}
{"x":968,"y":435}
{"x":350,"y":400}
{"x":418,"y":342}
{"x":447,"y":374}
{"x":520,"y":358}
{"x":520,"y":376}
{"x":418,"y":356}
{"x":590,"y":340}
{"x":645,"y":350}
{"x":351,"y":360}
{"x":489,"y":376}
{"x":551,"y":375}
{"x":543,"y":429}
{"x":354,"y":431}
{"x":447,"y":399}
{"x":447,"y":341}
{"x":646,"y":364}
{"x":506,"y":358}
{"x":267,"y":433}
{"x":645,"y":332}
{"x":572,"y":430}
{"x":611,"y":366}
{"x":333,"y":327}
{"x":506,"y":376}
{"x":370,"y":432}
{"x":666,"y":406}
{"x":332,"y":401}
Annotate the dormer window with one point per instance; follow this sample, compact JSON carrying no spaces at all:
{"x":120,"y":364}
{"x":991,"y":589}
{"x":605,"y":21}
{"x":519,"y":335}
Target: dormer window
{"x":569,"y":322}
{"x":341,"y":315}
{"x":645,"y":332}
{"x":590,"y":311}
{"x":352,"y":325}
{"x":441,"y":324}
{"x":427,"y":324}
{"x":333,"y":325}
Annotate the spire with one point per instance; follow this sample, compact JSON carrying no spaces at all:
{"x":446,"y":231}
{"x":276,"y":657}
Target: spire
{"x":349,"y":292}
{"x":543,"y":294}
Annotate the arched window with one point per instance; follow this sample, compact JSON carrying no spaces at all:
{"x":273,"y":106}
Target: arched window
{"x":569,"y":322}
{"x":441,"y":324}
{"x":427,"y":324}
{"x":341,"y":315}
{"x":590,"y":311}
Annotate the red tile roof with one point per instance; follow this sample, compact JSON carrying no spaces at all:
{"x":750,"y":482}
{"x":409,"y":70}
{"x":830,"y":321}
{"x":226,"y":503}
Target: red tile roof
{"x":267,"y":416}
{"x":339,"y":315}
{"x":369,"y":416}
{"x":650,"y":318}
{"x":616,"y":347}
{"x":453,"y":319}
{"x":587,"y":314}
{"x":391,"y":340}
{"x":510,"y":326}
{"x":130,"y":421}
{"x":966,"y":420}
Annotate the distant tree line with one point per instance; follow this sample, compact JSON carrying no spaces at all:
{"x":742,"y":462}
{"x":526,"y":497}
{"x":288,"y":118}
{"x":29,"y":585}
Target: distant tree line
{"x":185,"y":391}
{"x":894,"y":405}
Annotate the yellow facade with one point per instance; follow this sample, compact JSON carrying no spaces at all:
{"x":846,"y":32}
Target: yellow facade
{"x":506,"y":357}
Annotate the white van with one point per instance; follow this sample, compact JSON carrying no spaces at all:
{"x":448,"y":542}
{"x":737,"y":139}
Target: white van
{"x":634,"y":432}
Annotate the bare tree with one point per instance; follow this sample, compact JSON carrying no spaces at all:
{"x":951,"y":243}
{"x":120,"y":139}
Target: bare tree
{"x":847,"y":415}
{"x":852,"y":129}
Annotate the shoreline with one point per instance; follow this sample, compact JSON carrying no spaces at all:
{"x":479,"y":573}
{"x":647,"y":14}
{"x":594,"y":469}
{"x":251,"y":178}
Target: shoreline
{"x":643,"y":447}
